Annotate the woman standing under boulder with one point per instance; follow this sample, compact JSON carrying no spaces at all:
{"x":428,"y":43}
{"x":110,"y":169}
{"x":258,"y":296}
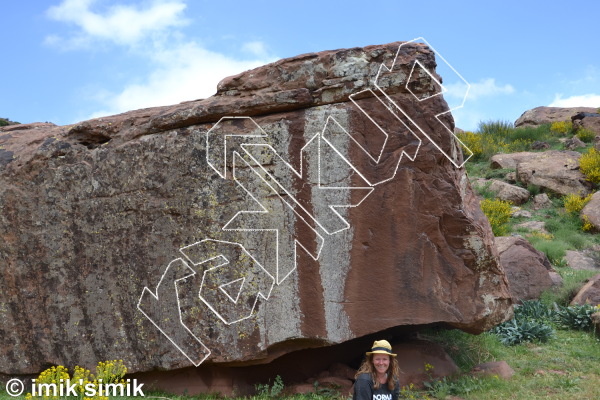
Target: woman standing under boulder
{"x":378,"y":376}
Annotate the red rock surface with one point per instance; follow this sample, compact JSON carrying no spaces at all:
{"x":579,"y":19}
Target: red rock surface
{"x":527,"y":269}
{"x":95,"y":212}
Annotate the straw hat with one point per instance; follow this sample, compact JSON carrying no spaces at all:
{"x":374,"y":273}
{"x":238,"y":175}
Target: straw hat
{"x":381,"y":347}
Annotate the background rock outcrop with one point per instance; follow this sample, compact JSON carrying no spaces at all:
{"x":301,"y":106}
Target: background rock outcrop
{"x":95,"y":213}
{"x":546,"y":115}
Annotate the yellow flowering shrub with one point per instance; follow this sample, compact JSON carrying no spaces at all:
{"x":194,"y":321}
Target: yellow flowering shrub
{"x":574,"y":203}
{"x":587,"y":225}
{"x":498,"y":213}
{"x":111,"y":371}
{"x":53,"y":375}
{"x":473,"y":141}
{"x":562,"y":127}
{"x":106,"y":372}
{"x":542,"y":235}
{"x":589,"y":164}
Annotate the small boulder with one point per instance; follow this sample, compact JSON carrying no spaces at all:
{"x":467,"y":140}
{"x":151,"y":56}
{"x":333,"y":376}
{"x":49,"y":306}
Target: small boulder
{"x":505,"y":191}
{"x":592,"y":210}
{"x":519,"y":212}
{"x":527,"y":269}
{"x":580,"y":261}
{"x":534,"y":226}
{"x":511,"y":177}
{"x":589,"y":293}
{"x":341,"y":371}
{"x":414,"y":354}
{"x":557,"y":171}
{"x":574,"y":143}
{"x":539,"y":145}
{"x":501,"y":369}
{"x":509,"y":160}
{"x":541,"y":201}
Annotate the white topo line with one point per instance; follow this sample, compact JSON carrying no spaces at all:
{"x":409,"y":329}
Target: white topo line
{"x":221,"y":153}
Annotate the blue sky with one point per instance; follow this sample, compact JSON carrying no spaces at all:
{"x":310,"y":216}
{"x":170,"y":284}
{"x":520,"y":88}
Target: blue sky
{"x":65,"y":61}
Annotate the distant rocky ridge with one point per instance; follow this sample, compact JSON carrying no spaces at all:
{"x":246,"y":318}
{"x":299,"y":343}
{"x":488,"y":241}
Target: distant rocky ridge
{"x":546,"y":115}
{"x":6,"y":122}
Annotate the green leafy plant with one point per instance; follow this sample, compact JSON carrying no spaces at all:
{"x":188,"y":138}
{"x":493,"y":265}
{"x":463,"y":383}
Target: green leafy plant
{"x":577,"y":317}
{"x":585,"y":135}
{"x":266,"y":390}
{"x":518,"y":331}
{"x":531,"y":322}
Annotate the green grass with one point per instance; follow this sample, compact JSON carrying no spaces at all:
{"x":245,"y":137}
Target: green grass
{"x":566,"y":367}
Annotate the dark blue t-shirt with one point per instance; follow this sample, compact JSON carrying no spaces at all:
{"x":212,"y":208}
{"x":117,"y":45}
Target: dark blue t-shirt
{"x":364,"y":390}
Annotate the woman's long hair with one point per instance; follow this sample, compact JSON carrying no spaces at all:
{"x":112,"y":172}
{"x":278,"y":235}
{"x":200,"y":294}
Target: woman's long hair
{"x":393,"y":372}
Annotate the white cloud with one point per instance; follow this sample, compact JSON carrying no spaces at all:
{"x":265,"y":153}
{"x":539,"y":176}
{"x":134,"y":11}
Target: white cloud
{"x":120,"y":24}
{"x":255,"y":48}
{"x":584,"y":100}
{"x":179,"y":68}
{"x":488,"y":88}
{"x":195,"y":75}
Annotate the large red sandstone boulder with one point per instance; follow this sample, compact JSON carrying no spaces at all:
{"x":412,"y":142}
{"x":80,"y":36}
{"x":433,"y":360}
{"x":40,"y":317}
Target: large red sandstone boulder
{"x":169,"y":237}
{"x":528,"y":270}
{"x":546,"y":115}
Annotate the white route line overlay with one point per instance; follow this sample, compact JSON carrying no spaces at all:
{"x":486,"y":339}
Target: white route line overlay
{"x":291,"y":199}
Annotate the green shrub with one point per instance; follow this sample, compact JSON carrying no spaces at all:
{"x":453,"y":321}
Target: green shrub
{"x":522,"y":330}
{"x":498,"y":213}
{"x":585,"y":135}
{"x":531,"y":323}
{"x":533,"y":310}
{"x":264,"y":390}
{"x":578,"y":317}
{"x":589,"y":164}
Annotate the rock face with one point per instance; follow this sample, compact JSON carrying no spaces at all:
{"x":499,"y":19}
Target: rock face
{"x":94,"y":215}
{"x":510,"y":160}
{"x":587,"y":120}
{"x":413,"y":355}
{"x":582,"y":261}
{"x":547,"y":115}
{"x":557,"y":171}
{"x":528,"y":270}
{"x":592,"y":210}
{"x":589,"y":293}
